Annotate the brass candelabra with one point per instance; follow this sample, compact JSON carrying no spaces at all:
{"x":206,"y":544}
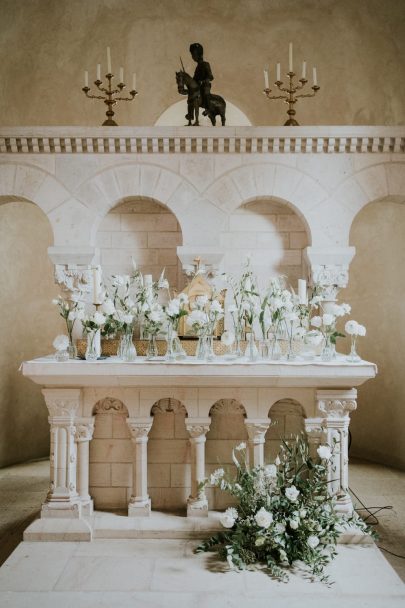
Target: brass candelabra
{"x":110,"y":97}
{"x":290,"y":98}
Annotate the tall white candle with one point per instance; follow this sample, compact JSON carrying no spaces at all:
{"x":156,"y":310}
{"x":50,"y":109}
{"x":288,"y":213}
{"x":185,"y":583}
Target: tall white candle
{"x":314,"y":78}
{"x":302,"y":291}
{"x":304,"y":69}
{"x":86,"y":78}
{"x":134,"y":81}
{"x":98,"y":71}
{"x":266,"y":79}
{"x":108,"y":60}
{"x":290,"y":57}
{"x":278,"y":72}
{"x":121,"y":74}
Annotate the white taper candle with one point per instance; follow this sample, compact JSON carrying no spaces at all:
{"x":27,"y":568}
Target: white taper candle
{"x":304,"y":69}
{"x":99,"y":71}
{"x":278,"y":72}
{"x":290,"y":57}
{"x":266,"y":79}
{"x":314,"y":78}
{"x":108,"y":61}
{"x":121,"y":74}
{"x":134,"y":81}
{"x":86,"y":78}
{"x":302,"y":291}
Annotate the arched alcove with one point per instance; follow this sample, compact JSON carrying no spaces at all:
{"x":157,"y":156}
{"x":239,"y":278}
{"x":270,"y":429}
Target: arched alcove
{"x":169,"y":468}
{"x":227,"y":430}
{"x":287,"y":421}
{"x":272,"y":234}
{"x":110,"y":470}
{"x":145,"y":230}
{"x":376,"y":293}
{"x":29,"y":324}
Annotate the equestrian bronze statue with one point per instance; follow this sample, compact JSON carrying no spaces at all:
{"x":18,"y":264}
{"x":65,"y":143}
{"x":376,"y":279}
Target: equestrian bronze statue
{"x":198,"y":89}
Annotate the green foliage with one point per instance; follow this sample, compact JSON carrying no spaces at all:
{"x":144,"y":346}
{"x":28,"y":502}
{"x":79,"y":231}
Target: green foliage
{"x":285,"y":516}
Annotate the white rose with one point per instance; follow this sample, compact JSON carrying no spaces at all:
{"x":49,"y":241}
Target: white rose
{"x":108,"y":307}
{"x":279,"y":528}
{"x":155,"y":316}
{"x":351,"y":328}
{"x":328,"y":319}
{"x":173,"y":308}
{"x":201,"y":300}
{"x":61,"y":342}
{"x":293,"y":524}
{"x":316,"y":321}
{"x":324,"y":452}
{"x":227,"y":520}
{"x":312,"y":541}
{"x":264,"y":518}
{"x":270,"y":471}
{"x":292,"y":493}
{"x":128,"y":319}
{"x":215,"y":307}
{"x":98,"y":318}
{"x":361,"y":330}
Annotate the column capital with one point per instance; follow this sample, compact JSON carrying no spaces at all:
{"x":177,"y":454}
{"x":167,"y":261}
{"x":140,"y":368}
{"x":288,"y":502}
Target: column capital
{"x":73,"y":279}
{"x":139,"y":428}
{"x":62,"y":403}
{"x":257,"y":428}
{"x":84,"y":429}
{"x":197,"y":427}
{"x":337,"y":404}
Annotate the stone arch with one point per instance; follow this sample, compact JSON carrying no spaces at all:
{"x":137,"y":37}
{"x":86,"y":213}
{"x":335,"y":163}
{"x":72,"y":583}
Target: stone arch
{"x":287,"y":420}
{"x":109,"y":405}
{"x":250,"y":182}
{"x":106,"y":189}
{"x":168,"y":404}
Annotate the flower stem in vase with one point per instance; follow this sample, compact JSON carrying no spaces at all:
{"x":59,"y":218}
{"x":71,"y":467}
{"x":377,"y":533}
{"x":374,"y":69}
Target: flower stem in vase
{"x":291,"y":356}
{"x":327,"y":352}
{"x":91,"y":350}
{"x":253,"y":353}
{"x":152,"y":349}
{"x":353,"y":356}
{"x":209,"y":349}
{"x":201,"y":347}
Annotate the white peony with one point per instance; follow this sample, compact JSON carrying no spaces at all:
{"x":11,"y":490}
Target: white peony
{"x":173,"y":308}
{"x":294,"y":523}
{"x":227,"y":520}
{"x":98,"y":318}
{"x":328,"y":319}
{"x":312,"y":541}
{"x":361,"y":330}
{"x":270,"y":471}
{"x":292,"y":493}
{"x":108,"y":307}
{"x":351,"y":328}
{"x":61,"y":342}
{"x":232,"y":512}
{"x":324,"y":452}
{"x":264,"y":518}
{"x":316,"y":321}
{"x":279,"y":528}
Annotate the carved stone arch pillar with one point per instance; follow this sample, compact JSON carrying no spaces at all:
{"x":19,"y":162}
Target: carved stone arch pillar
{"x":329,"y":267}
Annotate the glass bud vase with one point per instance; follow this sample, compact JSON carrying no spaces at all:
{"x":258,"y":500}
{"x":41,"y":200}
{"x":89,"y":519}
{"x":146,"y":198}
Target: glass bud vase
{"x":264,"y":349}
{"x":353,"y":356}
{"x":62,"y":355}
{"x":328,"y":350}
{"x":209,"y":348}
{"x":152,"y":349}
{"x":71,"y":349}
{"x":170,"y":351}
{"x":201,"y":347}
{"x":275,"y":348}
{"x":91,"y":350}
{"x":251,"y":350}
{"x":291,"y":356}
{"x":237,"y":349}
{"x":127,"y":350}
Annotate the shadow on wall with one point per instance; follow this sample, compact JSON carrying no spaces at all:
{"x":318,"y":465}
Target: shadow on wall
{"x":29,"y":325}
{"x":376,"y":292}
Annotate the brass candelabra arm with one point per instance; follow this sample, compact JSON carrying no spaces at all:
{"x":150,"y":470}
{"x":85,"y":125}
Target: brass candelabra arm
{"x":315,"y":90}
{"x":132,"y":93}
{"x":86,"y":92}
{"x":268,"y":91}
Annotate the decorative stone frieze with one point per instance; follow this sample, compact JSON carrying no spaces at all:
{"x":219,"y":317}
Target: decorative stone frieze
{"x":110,"y":405}
{"x":73,"y":280}
{"x":256,"y":429}
{"x":228,"y":406}
{"x":197,"y":504}
{"x":168,"y":405}
{"x":139,"y":503}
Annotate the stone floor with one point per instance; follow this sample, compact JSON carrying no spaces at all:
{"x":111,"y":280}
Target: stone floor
{"x":164,"y":573}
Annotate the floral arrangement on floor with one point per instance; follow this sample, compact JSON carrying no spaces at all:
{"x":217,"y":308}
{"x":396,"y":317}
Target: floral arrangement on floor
{"x":284,"y":516}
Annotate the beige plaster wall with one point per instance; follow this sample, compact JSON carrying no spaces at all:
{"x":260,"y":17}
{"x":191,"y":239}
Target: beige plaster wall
{"x":47,"y":44}
{"x":376,"y":292}
{"x":29,"y":324}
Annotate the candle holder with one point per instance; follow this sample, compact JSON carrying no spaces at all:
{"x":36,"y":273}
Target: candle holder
{"x":291,"y":98}
{"x":109,"y":98}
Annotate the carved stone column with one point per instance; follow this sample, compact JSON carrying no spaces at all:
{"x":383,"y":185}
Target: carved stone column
{"x":256,"y":429}
{"x":139,"y":504}
{"x":62,"y":499}
{"x":197,"y":504}
{"x":83,"y":434}
{"x":335,"y":406}
{"x":315,"y":435}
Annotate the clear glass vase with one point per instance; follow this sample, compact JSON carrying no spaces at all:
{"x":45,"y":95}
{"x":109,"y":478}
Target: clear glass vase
{"x":328,"y":350}
{"x":91,"y":350}
{"x":237,"y":348}
{"x":251,"y":350}
{"x":264,"y":349}
{"x":175,"y":350}
{"x":291,"y":356}
{"x":71,"y":349}
{"x":151,"y":349}
{"x":201,"y":349}
{"x":275,"y":348}
{"x":62,"y":355}
{"x":126,"y":349}
{"x":209,"y":348}
{"x":353,"y":356}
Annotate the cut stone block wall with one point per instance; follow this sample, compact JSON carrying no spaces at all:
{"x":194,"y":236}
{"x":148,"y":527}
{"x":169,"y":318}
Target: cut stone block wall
{"x":287,"y":421}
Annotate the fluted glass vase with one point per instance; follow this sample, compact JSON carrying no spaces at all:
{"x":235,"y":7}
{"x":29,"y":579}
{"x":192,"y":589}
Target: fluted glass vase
{"x":251,"y":350}
{"x":91,"y":350}
{"x":127,"y":350}
{"x":353,"y":356}
{"x":152,"y":349}
{"x":328,"y":350}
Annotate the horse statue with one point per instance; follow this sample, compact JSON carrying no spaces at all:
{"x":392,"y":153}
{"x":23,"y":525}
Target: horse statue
{"x":216,"y":106}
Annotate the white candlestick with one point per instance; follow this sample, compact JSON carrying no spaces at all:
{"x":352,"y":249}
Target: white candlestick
{"x":121,"y":74}
{"x":134,"y":81}
{"x":290,"y":57}
{"x":314,"y":78}
{"x":86,"y":78}
{"x":108,"y":60}
{"x":304,"y":69}
{"x":98,"y":71}
{"x":278,"y":72}
{"x":266,"y":79}
{"x":302,"y":291}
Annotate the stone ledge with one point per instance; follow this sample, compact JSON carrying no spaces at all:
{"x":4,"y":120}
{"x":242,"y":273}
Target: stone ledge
{"x":58,"y":529}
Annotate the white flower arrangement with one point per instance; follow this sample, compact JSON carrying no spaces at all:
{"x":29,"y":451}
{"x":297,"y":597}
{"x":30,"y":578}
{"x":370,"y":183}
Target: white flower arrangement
{"x":355,"y":329}
{"x":61,"y":342}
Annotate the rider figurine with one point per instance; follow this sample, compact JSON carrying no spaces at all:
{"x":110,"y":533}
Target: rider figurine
{"x":202,"y":75}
